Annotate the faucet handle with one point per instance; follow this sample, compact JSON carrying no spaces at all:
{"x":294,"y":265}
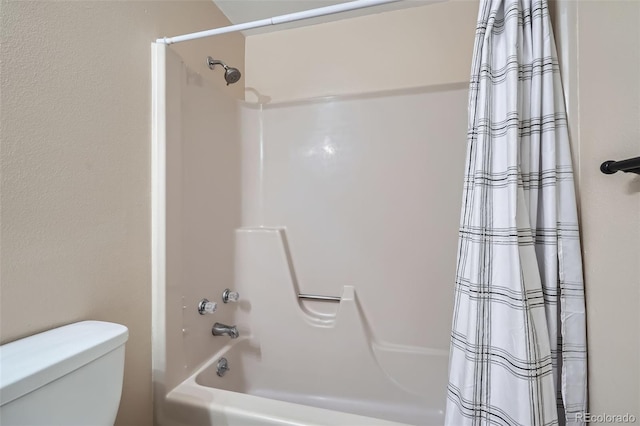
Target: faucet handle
{"x":206,"y":307}
{"x":230,"y":296}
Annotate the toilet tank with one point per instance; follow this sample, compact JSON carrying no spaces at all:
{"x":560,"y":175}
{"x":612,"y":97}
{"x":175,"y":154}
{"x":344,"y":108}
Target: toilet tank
{"x":70,"y":375}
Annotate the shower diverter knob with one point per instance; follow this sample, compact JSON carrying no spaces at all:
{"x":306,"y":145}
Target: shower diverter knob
{"x":206,"y":307}
{"x":230,"y":296}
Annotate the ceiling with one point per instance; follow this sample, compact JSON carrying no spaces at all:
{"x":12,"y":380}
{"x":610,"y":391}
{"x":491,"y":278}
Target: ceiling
{"x":240,"y":11}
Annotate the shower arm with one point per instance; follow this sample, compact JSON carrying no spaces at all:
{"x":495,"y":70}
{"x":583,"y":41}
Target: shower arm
{"x":276,"y":20}
{"x":213,"y":62}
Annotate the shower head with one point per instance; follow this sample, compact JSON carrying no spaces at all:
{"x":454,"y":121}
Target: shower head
{"x":231,"y":74}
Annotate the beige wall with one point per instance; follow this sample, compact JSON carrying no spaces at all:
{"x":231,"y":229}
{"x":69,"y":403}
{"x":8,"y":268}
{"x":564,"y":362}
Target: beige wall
{"x":408,"y":48}
{"x":75,"y":190}
{"x":600,"y":46}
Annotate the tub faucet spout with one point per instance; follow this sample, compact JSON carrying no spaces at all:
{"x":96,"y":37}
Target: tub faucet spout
{"x":221,"y":330}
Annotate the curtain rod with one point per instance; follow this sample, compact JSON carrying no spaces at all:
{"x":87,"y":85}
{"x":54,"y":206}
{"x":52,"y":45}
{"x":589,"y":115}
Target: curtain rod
{"x":276,"y":20}
{"x":630,"y":165}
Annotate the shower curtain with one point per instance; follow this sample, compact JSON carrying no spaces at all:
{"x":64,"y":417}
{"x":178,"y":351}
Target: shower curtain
{"x":518,"y":346}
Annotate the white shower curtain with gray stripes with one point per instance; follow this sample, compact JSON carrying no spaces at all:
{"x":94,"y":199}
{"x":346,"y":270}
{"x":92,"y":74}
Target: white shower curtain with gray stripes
{"x":518,"y":346}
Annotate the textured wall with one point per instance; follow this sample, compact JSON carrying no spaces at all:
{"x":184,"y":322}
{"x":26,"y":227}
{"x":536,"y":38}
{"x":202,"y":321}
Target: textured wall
{"x":75,"y":189}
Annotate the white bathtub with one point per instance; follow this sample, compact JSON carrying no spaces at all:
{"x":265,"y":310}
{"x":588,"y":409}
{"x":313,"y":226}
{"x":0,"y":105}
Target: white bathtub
{"x":296,"y":365}
{"x":256,"y":391}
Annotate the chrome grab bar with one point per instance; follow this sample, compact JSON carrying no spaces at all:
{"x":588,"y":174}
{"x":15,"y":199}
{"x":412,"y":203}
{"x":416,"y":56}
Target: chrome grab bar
{"x":318,"y":297}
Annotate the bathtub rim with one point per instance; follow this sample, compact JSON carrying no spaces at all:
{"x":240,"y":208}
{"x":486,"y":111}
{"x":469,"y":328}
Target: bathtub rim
{"x":221,"y":402}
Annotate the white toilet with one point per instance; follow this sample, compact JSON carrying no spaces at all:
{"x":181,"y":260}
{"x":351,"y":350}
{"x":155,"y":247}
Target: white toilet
{"x":67,"y":376}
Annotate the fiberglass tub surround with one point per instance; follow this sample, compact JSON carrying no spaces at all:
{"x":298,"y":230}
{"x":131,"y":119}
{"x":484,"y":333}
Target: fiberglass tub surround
{"x":326,"y":197}
{"x":324,"y":360}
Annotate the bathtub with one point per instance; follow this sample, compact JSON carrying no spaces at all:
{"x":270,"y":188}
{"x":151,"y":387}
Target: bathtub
{"x":297,"y":365}
{"x":258,"y":391}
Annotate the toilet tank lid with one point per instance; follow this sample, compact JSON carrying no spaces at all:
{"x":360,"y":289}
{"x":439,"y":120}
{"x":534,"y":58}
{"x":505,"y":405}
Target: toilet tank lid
{"x":30,"y":363}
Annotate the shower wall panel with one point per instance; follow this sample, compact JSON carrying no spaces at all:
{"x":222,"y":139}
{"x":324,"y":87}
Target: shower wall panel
{"x":203,"y":206}
{"x":369,"y":190}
